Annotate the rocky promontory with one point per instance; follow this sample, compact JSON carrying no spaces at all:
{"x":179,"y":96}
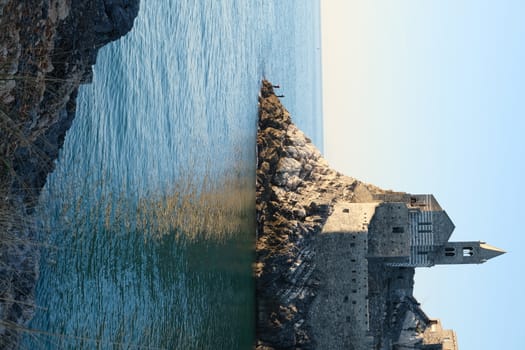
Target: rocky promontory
{"x":312,"y":291}
{"x":47,"y":49}
{"x":296,"y":191}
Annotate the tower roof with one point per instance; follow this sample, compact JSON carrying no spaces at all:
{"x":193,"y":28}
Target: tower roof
{"x":489,"y":251}
{"x":443,"y":226}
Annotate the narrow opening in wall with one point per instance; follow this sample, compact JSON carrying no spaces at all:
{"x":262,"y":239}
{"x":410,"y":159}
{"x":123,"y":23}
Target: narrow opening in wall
{"x":468,"y":251}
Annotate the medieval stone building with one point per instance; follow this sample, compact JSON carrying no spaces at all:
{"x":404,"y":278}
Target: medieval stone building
{"x":422,"y":228}
{"x":392,"y":233}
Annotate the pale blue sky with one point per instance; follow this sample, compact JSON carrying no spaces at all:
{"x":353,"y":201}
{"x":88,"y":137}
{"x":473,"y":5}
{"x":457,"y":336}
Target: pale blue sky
{"x":429,"y":97}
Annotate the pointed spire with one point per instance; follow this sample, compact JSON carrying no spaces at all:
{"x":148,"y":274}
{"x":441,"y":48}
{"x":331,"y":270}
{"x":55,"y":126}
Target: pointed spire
{"x":489,"y":252}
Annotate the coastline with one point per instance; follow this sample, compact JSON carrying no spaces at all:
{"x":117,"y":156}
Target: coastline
{"x":48,"y":49}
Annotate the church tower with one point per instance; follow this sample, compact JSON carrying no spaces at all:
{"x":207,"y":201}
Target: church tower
{"x":428,"y":227}
{"x":465,"y":253}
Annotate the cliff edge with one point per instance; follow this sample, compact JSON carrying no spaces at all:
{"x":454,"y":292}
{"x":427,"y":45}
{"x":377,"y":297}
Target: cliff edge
{"x":47,"y":49}
{"x":296,"y":192}
{"x":326,"y":250}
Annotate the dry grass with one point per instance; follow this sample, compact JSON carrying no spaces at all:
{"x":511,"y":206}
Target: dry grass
{"x":16,"y":256}
{"x":18,"y":253}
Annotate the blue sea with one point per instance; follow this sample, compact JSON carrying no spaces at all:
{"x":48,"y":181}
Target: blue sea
{"x":148,"y":221}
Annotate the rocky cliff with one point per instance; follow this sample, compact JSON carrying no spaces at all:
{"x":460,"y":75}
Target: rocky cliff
{"x":296,"y":190}
{"x":296,"y":194}
{"x":47,"y":49}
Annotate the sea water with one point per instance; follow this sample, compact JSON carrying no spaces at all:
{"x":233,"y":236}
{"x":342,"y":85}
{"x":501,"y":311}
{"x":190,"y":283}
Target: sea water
{"x":148,"y":220}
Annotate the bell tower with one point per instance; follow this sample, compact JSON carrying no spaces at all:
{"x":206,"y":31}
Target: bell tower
{"x":465,"y":253}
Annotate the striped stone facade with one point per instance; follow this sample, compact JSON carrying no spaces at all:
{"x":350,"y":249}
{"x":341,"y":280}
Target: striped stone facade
{"x":429,"y":229}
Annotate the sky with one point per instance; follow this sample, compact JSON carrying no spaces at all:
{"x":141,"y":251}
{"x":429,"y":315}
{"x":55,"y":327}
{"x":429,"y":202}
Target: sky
{"x":429,"y":97}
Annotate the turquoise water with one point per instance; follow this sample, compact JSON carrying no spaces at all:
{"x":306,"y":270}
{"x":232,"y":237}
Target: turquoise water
{"x":148,"y":220}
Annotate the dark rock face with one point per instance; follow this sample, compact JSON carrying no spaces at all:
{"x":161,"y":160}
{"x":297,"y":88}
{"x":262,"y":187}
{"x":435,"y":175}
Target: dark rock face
{"x":47,"y":49}
{"x":92,"y":24}
{"x":74,"y":42}
{"x":122,"y":14}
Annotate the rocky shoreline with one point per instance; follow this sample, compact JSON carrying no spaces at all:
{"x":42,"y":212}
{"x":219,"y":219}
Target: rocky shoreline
{"x":305,"y":279}
{"x":296,"y":191}
{"x":47,"y":49}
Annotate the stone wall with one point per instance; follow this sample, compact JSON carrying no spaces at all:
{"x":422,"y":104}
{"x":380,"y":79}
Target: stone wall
{"x":339,"y":315}
{"x":389,"y":233}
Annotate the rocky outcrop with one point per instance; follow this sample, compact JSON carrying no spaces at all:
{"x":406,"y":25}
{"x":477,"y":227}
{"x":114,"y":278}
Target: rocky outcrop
{"x":297,"y":193}
{"x":47,"y":49}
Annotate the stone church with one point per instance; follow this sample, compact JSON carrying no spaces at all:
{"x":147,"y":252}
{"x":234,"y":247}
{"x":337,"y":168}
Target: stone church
{"x":371,"y":249}
{"x":420,"y":229}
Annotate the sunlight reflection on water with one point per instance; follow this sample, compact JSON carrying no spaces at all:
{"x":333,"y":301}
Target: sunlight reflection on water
{"x":149,"y":216}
